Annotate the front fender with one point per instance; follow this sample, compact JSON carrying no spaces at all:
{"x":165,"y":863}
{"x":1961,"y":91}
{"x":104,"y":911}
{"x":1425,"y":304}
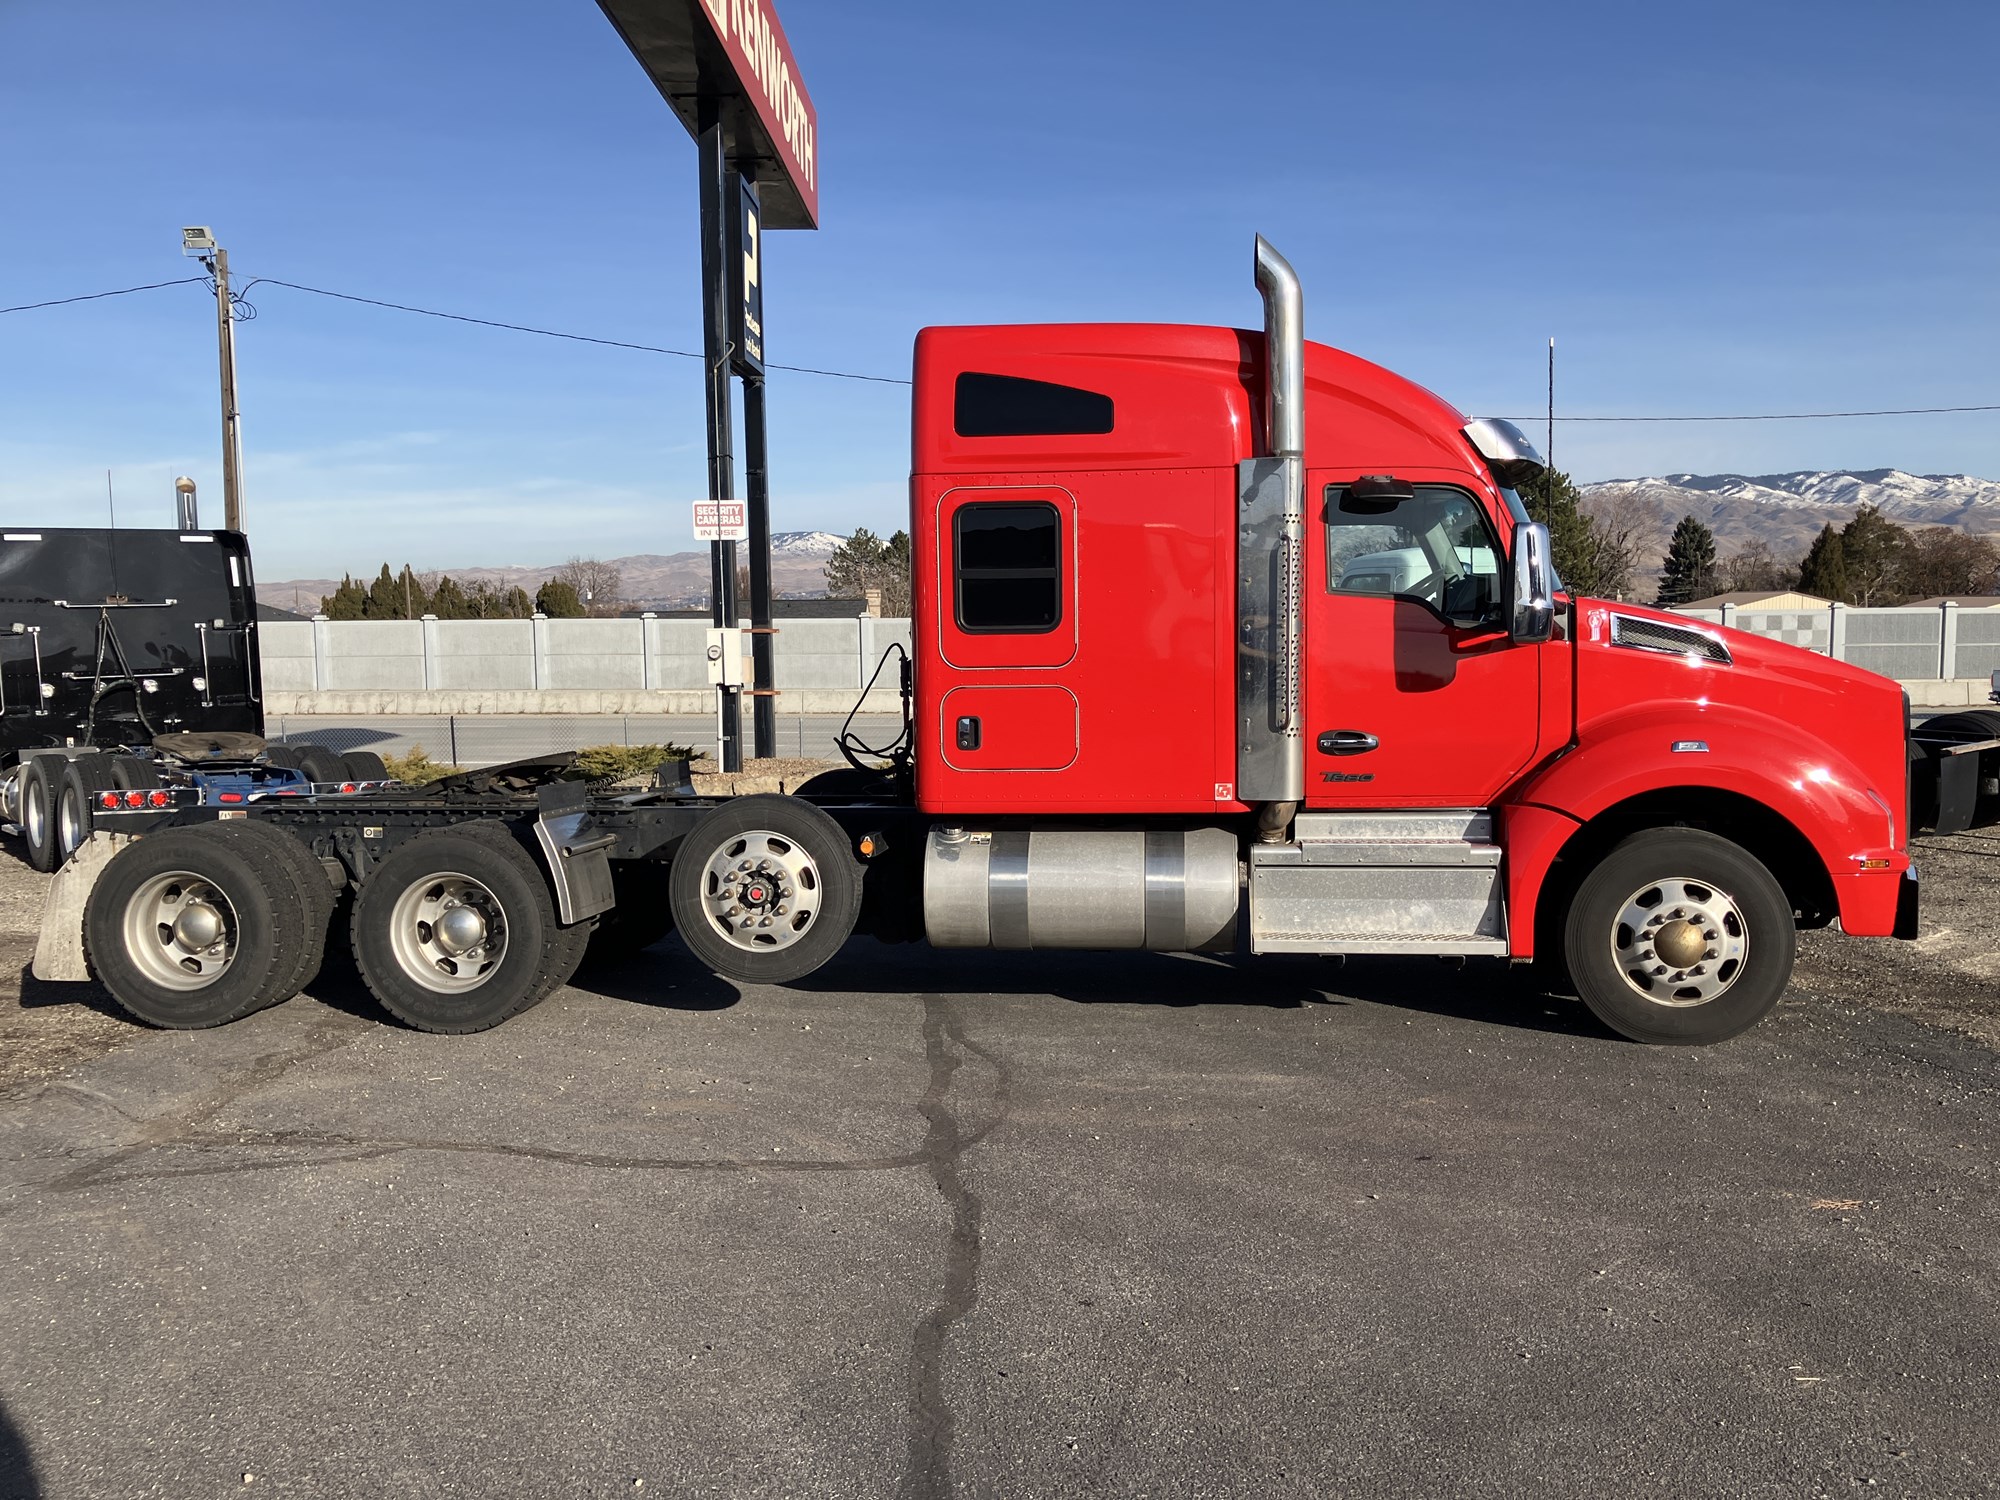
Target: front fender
{"x":1812,"y":785}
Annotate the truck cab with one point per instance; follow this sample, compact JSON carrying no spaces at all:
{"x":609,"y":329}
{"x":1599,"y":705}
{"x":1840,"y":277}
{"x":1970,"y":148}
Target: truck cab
{"x":1189,"y":579}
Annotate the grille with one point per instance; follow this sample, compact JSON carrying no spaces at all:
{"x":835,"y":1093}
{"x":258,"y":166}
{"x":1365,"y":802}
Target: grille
{"x":1675,"y":640}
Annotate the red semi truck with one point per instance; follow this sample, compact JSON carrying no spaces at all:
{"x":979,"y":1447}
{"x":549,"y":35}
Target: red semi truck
{"x":1221,"y":638}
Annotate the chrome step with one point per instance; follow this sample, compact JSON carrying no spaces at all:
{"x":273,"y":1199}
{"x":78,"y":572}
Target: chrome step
{"x":1351,"y":896}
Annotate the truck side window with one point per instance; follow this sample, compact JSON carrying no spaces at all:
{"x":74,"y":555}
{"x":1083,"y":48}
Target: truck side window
{"x":1007,"y":568}
{"x":1011,"y":406}
{"x":1435,"y":548}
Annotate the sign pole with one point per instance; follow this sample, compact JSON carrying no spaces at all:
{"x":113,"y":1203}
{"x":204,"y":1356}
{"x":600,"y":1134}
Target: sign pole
{"x":746,"y":306}
{"x":715,"y":284}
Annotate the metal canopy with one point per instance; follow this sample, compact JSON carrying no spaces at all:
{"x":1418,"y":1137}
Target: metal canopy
{"x":735,"y":51}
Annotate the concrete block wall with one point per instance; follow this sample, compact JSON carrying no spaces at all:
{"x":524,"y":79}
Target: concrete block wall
{"x":637,"y":666}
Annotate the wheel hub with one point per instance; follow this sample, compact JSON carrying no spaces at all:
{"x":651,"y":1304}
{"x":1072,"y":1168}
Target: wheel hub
{"x":199,"y":926}
{"x":460,"y":930}
{"x":1680,"y":942}
{"x":761,"y":890}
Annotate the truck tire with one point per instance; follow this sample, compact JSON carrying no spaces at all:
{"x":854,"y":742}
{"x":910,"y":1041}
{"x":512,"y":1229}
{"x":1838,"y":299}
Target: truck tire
{"x":1973,"y":724}
{"x":764,"y":889}
{"x":1681,"y":938}
{"x":131,"y":774}
{"x":506,"y":955}
{"x":318,"y":764}
{"x":39,"y":791}
{"x":316,"y":897}
{"x":363,"y":765}
{"x":76,"y":802}
{"x":644,"y":913}
{"x":194,"y":927}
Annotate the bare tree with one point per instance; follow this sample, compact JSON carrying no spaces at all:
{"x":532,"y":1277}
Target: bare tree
{"x":1755,"y":566}
{"x":598,"y":584}
{"x":1626,"y":529}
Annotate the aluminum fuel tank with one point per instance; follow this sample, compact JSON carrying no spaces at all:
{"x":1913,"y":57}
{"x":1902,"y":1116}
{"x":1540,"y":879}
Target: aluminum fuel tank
{"x":1170,"y":890}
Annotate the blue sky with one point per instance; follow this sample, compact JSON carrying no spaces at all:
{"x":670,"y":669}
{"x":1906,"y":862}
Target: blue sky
{"x":1713,"y":208}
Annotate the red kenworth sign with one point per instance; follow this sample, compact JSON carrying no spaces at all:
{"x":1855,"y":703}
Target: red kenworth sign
{"x":750,"y":33}
{"x":735,"y":52}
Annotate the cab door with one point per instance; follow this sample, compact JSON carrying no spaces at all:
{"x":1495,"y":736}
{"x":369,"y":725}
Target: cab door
{"x":1414,"y":694}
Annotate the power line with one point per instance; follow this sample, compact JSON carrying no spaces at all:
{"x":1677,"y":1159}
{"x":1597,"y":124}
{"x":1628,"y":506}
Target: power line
{"x":1780,"y":416}
{"x":123,"y":291}
{"x":584,"y":338}
{"x":550,"y":333}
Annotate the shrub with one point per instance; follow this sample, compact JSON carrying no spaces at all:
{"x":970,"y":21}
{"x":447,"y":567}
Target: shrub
{"x":619,"y":762}
{"x":417,"y":768}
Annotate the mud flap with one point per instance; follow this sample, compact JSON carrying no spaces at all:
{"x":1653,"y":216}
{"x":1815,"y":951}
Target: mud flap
{"x":1906,"y":905}
{"x":59,"y":946}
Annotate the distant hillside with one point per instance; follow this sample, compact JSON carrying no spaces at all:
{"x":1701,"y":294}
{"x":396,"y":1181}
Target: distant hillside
{"x":1787,"y":510}
{"x":651,"y":580}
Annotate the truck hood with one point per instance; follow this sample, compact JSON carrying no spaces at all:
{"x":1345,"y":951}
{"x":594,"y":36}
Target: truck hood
{"x":1634,"y":659}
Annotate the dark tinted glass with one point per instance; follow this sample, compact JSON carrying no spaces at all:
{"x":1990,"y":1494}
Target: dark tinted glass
{"x":1007,"y":571}
{"x":1009,"y":406}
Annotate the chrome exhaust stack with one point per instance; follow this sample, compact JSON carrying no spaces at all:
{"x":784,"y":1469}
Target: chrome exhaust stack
{"x":1270,"y":543}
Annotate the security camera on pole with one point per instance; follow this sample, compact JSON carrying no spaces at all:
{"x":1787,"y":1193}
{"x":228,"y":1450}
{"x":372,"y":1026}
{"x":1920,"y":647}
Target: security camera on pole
{"x":199,"y":241}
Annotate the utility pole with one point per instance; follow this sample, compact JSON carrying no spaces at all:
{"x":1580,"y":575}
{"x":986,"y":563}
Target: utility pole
{"x":199,"y":240}
{"x":1549,"y":453}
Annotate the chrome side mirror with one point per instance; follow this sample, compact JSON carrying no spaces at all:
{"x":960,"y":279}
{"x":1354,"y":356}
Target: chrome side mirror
{"x":1531,"y":617}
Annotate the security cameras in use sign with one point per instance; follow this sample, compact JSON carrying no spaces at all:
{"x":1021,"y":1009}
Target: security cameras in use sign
{"x":721,"y":521}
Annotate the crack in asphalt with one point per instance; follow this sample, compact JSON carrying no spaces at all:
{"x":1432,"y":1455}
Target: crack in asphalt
{"x":930,"y":1423}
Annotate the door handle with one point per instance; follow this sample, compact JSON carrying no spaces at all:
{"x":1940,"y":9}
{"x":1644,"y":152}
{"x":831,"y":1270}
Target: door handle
{"x":1346,"y":742}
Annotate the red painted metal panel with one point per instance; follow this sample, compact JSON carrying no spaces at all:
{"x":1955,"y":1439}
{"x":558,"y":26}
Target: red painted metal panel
{"x":1022,"y":727}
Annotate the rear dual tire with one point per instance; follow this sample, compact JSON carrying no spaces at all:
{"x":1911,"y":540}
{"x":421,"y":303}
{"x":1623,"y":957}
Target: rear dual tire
{"x":456,"y":930}
{"x":195,"y":927}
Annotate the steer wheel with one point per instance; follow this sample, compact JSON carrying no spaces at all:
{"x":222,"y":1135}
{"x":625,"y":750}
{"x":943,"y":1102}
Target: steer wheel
{"x":1681,"y":937}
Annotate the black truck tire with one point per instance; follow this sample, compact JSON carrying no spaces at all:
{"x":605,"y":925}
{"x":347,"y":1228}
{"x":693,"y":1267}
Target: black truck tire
{"x":39,"y":792}
{"x":194,"y":927}
{"x":76,"y":802}
{"x":320,"y":764}
{"x":1973,"y":724}
{"x":1681,"y":938}
{"x":363,"y":765}
{"x":765,"y":889}
{"x":508,"y":955}
{"x":129,"y":773}
{"x":316,"y":897}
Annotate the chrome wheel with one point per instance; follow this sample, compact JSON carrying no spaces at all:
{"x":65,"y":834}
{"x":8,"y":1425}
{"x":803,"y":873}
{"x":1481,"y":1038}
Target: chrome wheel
{"x":34,"y":809}
{"x":761,"y":891}
{"x":72,"y":822}
{"x":448,"y":932}
{"x":181,"y":931}
{"x":1679,"y":942}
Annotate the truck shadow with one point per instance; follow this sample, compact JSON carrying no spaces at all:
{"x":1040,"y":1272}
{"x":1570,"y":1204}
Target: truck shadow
{"x":18,"y":1480}
{"x":1486,"y":992}
{"x":38,"y":994}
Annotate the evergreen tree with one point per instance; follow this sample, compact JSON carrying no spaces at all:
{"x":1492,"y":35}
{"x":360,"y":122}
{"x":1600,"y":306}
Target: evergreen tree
{"x":515,"y":604}
{"x":1553,"y":500}
{"x":385,"y":597}
{"x":348,"y":602}
{"x":449,"y":601}
{"x":1824,"y":572}
{"x":863,"y":562}
{"x":1690,"y":564}
{"x":1874,"y":548}
{"x":558,"y":599}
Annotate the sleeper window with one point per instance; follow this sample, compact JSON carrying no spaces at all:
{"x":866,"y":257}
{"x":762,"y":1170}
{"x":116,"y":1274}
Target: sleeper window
{"x":1007,"y":568}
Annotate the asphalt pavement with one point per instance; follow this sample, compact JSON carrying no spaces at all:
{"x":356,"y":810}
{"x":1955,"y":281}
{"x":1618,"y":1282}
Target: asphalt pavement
{"x":1008,"y":1224}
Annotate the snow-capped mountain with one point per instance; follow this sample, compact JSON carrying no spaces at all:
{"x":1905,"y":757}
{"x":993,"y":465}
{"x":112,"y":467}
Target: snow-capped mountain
{"x":1787,"y":510}
{"x":804,"y":543}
